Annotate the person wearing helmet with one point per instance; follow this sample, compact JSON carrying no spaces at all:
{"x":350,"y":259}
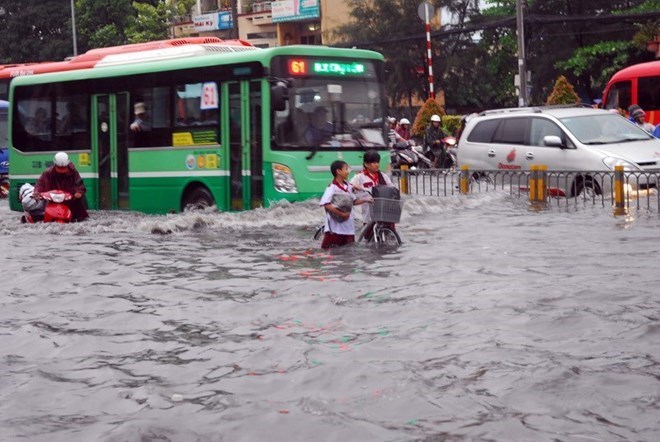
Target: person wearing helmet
{"x":33,"y":209}
{"x":638,"y":116}
{"x":404,"y":129}
{"x":62,"y":175}
{"x":433,"y":141}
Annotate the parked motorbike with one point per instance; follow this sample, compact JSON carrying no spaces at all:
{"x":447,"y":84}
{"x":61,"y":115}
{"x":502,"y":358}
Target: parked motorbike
{"x":407,"y":153}
{"x":56,"y":209}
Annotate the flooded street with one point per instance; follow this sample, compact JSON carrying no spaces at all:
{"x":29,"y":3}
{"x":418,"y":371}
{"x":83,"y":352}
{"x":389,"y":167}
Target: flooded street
{"x":490,"y":322}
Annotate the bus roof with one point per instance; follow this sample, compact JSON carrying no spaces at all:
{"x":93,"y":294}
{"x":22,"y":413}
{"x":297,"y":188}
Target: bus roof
{"x":91,"y":57}
{"x":648,"y":69}
{"x":192,"y":56}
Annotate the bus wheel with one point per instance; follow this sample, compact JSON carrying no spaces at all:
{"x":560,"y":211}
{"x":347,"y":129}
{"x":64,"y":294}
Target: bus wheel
{"x":198,"y":199}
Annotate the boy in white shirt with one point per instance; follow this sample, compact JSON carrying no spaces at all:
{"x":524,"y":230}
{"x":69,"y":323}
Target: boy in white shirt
{"x":339,"y":226}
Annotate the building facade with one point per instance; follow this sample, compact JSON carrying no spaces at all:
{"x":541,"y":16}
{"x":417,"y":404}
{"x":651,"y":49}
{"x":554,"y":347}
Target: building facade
{"x":266,"y":23}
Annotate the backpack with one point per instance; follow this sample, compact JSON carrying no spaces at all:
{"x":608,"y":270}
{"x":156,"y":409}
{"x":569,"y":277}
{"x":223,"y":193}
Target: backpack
{"x":388,"y":192}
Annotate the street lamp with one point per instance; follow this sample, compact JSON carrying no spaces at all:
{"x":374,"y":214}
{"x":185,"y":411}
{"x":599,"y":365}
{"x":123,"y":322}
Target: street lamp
{"x":73,"y":28}
{"x":522,"y":65}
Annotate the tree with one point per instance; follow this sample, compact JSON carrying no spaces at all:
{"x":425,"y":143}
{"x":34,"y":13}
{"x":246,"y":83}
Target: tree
{"x":563,"y":93}
{"x":380,"y":20}
{"x":35,"y":30}
{"x":430,"y":108}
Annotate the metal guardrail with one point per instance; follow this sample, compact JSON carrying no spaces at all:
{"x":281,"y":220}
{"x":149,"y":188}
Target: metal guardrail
{"x":638,"y":190}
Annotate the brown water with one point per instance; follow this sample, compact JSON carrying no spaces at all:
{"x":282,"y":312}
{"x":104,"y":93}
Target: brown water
{"x":491,"y":322}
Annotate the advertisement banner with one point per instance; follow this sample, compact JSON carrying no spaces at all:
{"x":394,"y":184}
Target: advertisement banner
{"x":291,"y":10}
{"x":213,"y":21}
{"x":224,"y":20}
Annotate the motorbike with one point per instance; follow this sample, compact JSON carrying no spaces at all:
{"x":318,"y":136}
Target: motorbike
{"x":408,"y":153}
{"x":449,"y":161}
{"x":56,"y":209}
{"x":451,"y":146}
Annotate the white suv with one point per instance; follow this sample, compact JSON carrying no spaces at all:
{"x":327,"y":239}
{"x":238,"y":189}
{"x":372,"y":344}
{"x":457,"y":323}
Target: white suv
{"x":562,"y":138}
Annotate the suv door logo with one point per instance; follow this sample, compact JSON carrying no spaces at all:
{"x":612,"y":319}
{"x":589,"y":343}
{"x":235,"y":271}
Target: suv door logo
{"x":511,"y":156}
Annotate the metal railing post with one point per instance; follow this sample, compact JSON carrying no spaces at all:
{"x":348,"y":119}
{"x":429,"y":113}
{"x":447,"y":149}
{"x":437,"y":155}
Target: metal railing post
{"x":465,"y":179}
{"x":404,"y":180}
{"x":532,"y":182}
{"x":619,"y":193}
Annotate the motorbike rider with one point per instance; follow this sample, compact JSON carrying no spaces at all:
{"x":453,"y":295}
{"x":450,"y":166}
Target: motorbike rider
{"x":33,"y":209}
{"x":365,"y":180}
{"x":433,"y":140}
{"x":62,"y":175}
{"x":392,"y":136}
{"x":404,"y":129}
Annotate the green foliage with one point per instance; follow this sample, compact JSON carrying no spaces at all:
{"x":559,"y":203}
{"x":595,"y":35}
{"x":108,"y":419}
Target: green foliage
{"x":423,"y":118}
{"x":599,"y":61}
{"x":451,"y":123}
{"x":150,"y":23}
{"x":563,"y":93}
{"x":35,"y":30}
{"x":101,"y":23}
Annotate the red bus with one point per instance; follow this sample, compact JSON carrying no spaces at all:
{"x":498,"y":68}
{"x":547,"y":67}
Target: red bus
{"x":637,"y":84}
{"x":91,"y":57}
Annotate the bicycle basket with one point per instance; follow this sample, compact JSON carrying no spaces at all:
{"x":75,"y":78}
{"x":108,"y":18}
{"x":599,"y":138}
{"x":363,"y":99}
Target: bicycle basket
{"x":386,"y":210}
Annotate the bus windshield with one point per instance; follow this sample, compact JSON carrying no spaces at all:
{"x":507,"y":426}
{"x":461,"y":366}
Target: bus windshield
{"x":331,"y":114}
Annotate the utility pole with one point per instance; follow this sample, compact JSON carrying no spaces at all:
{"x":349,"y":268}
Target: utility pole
{"x":73,"y":28}
{"x":234,"y":18}
{"x":522,"y":66}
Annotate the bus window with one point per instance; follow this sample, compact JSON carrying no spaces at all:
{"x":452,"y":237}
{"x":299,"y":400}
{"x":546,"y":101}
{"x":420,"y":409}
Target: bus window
{"x":72,"y":115}
{"x":33,"y":127}
{"x":156,"y":102}
{"x":196,"y":110}
{"x":648,"y":91}
{"x":619,"y":95}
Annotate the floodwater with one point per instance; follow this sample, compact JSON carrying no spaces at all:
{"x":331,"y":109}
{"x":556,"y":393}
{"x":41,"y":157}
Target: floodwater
{"x":491,"y":322}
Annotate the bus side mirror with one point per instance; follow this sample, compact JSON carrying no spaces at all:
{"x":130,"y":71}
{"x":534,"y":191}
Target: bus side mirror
{"x":279,"y":95}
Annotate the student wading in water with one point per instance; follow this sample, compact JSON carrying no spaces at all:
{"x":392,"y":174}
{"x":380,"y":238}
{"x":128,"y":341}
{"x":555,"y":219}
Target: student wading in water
{"x":338,"y":200}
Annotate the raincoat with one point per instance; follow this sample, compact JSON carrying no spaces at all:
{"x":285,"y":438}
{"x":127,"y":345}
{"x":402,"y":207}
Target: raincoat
{"x":70,"y":182}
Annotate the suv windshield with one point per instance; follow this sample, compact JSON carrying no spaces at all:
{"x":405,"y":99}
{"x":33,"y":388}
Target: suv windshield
{"x":604,"y":129}
{"x":344,"y":114}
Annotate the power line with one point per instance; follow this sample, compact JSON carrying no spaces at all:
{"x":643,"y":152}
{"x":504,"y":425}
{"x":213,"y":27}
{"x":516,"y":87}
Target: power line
{"x":510,"y":22}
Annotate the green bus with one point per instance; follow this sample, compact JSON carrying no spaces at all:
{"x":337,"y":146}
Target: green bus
{"x":226,"y":124}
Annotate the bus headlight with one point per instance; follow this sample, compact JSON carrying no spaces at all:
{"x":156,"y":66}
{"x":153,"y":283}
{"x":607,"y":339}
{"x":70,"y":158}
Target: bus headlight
{"x":283,"y":179}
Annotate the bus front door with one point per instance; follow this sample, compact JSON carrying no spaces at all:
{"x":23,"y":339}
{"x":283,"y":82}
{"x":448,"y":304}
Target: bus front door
{"x":111,"y":150}
{"x":245,"y":145}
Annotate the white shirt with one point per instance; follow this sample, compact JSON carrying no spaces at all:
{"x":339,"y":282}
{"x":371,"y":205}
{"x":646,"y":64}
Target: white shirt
{"x":364,"y":181}
{"x":332,"y":225}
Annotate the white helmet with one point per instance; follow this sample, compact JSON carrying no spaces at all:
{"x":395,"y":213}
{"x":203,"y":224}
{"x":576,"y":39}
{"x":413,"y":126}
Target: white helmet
{"x":404,"y":121}
{"x":61,"y":159}
{"x":436,"y":118}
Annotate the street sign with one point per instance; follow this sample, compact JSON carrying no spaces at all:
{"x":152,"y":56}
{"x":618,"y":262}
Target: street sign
{"x":425,"y":10}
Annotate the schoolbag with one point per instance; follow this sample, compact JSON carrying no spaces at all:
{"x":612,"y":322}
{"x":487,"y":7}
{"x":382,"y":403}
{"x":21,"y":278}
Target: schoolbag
{"x":389,"y":192}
